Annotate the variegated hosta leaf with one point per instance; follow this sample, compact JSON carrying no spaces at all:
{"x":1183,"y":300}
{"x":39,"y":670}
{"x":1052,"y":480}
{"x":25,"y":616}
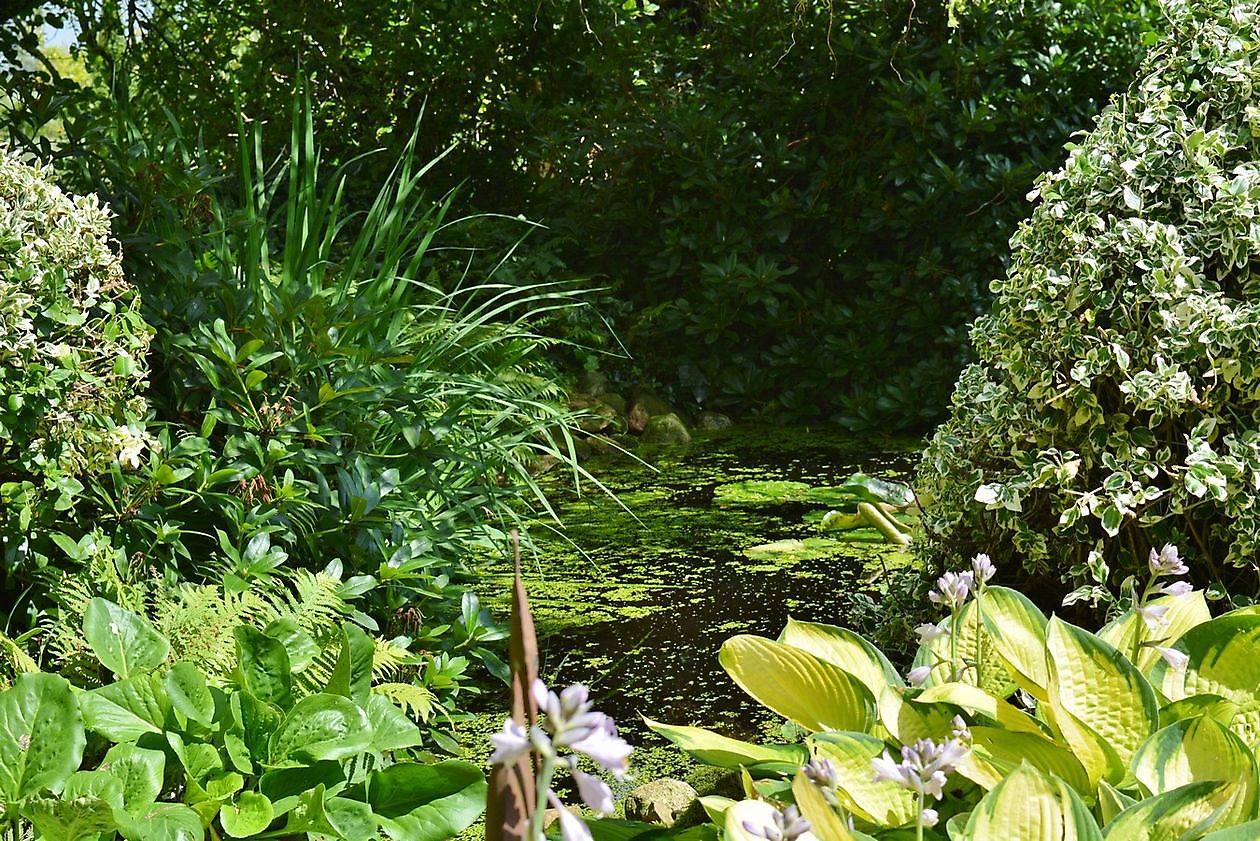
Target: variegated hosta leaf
{"x":980,"y":663}
{"x":1127,"y":632}
{"x":1184,"y":812}
{"x":1018,"y":632}
{"x":1198,"y":750}
{"x":997,"y":752}
{"x":884,"y":803}
{"x":823,"y":820}
{"x":1031,"y":806}
{"x":842,"y":647}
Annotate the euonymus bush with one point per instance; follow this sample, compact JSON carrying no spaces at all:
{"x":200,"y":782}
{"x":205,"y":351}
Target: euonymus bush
{"x":1013,"y":725}
{"x":73,"y":347}
{"x":1115,"y":406}
{"x":166,"y":751}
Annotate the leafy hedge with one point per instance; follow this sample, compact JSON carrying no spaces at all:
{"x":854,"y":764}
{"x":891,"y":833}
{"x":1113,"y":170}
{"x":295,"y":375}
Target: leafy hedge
{"x":1115,"y":407}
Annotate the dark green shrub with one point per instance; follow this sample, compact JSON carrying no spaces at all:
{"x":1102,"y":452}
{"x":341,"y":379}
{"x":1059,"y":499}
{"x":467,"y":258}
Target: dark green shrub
{"x":804,"y":203}
{"x":1115,"y":407}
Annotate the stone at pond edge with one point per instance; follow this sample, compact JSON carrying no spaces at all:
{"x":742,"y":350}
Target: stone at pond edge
{"x":713,"y":420}
{"x":666,"y":429}
{"x":593,"y":383}
{"x":660,"y":801}
{"x":614,"y":401}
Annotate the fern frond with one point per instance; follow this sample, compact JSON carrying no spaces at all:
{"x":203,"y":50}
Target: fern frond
{"x":15,"y":661}
{"x":416,"y":701}
{"x":387,"y":658}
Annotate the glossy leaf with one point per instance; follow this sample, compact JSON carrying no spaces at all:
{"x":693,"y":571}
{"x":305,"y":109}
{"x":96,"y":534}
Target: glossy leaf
{"x":264,"y":666}
{"x":186,"y":687}
{"x":41,"y":736}
{"x":1197,"y":750}
{"x":879,"y":802}
{"x":1170,"y":816}
{"x":1030,"y":806}
{"x":427,"y":802}
{"x":322,"y":726}
{"x":124,"y":642}
{"x":724,"y":752}
{"x":247,"y":815}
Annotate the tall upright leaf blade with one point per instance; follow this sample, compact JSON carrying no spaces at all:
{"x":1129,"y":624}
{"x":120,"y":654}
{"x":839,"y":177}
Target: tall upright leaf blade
{"x":1030,"y":806}
{"x":41,"y":736}
{"x":124,"y":642}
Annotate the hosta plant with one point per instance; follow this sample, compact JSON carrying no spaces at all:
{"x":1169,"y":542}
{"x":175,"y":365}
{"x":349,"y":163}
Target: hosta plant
{"x":164,"y":751}
{"x":1013,"y":725}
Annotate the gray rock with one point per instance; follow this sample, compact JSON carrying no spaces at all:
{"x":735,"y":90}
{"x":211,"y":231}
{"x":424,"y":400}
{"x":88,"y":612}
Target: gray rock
{"x":660,"y":801}
{"x":651,"y":404}
{"x":666,"y":429}
{"x":614,"y":400}
{"x":637,"y":419}
{"x":713,"y":420}
{"x":593,"y":383}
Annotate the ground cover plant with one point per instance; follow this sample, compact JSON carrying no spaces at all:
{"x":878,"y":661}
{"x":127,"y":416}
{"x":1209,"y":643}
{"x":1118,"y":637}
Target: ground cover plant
{"x":1113,"y":406}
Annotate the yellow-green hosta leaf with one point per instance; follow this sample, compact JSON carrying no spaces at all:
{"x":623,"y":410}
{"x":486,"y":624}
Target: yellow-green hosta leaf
{"x":842,"y":647}
{"x":823,"y":820}
{"x":974,"y":649}
{"x":976,"y":701}
{"x":1128,"y":631}
{"x":1098,"y":700}
{"x":908,"y":722}
{"x":797,"y":685}
{"x":715,"y":807}
{"x":1196,"y":750}
{"x":1111,"y":802}
{"x":882,"y":803}
{"x":1018,"y":631}
{"x":1031,"y":806}
{"x":1002,"y":751}
{"x":1248,"y":831}
{"x":1220,"y":710}
{"x":1183,"y":813}
{"x":716,"y":749}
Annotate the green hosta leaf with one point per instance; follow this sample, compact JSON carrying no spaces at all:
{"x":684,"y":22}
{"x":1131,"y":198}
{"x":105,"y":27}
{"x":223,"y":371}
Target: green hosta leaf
{"x":1197,"y":750}
{"x":1128,"y":631}
{"x":883,"y":803}
{"x":352,"y":676}
{"x":978,"y":702}
{"x":975,"y":649}
{"x":843,"y":648}
{"x":1018,"y":632}
{"x":1248,"y":831}
{"x":140,"y":771}
{"x":265,"y":670}
{"x":714,"y":749}
{"x":1030,"y":806}
{"x":996,"y":753}
{"x":246,"y":816}
{"x":70,"y":819}
{"x":1214,"y":707}
{"x":824,"y":823}
{"x":797,"y":685}
{"x":124,"y":642}
{"x":1184,"y":812}
{"x":41,"y":736}
{"x":189,"y":694}
{"x":125,"y":710}
{"x":391,"y":729}
{"x":322,"y":727}
{"x":1098,"y":700}
{"x":909,"y":721}
{"x":1112,"y":801}
{"x":427,"y":802}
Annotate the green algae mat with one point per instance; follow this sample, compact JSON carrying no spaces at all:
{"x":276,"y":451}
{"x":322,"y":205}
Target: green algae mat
{"x":637,"y":594}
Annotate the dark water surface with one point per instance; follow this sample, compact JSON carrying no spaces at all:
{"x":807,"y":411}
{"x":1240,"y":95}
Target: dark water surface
{"x":636,"y":605}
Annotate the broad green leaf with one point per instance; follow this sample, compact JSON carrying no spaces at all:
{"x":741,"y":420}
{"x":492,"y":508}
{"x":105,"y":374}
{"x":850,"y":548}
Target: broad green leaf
{"x":246,"y":816}
{"x":1098,"y":700}
{"x":842,"y":647}
{"x":125,"y":710}
{"x":978,"y":702}
{"x":1184,"y":812}
{"x":996,"y":753}
{"x":298,"y":643}
{"x":264,"y":666}
{"x":259,"y":721}
{"x":351,"y":819}
{"x":1214,"y":707}
{"x":909,"y":721}
{"x":973,"y":646}
{"x":1112,"y":801}
{"x":714,"y":749}
{"x":352,"y":676}
{"x":124,"y":642}
{"x":391,"y":729}
{"x":98,"y":783}
{"x":140,"y":771}
{"x":1030,"y":806}
{"x":1196,"y":750}
{"x":41,"y":736}
{"x":878,"y":802}
{"x":797,"y":685}
{"x":824,"y":823}
{"x":70,"y":819}
{"x":164,"y":822}
{"x":715,"y":807}
{"x":1127,"y":632}
{"x":322,"y":726}
{"x":287,"y":782}
{"x":427,"y":802}
{"x":189,"y":694}
{"x":1248,"y":831}
{"x":1018,"y":632}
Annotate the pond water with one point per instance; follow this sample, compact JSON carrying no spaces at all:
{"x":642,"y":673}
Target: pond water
{"x":716,"y":540}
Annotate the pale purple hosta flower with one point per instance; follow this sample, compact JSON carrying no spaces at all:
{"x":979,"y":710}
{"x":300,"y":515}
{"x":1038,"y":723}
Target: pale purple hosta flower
{"x":822,"y":773}
{"x":603,"y":745}
{"x":919,"y":675}
{"x":1177,"y":588}
{"x":594,"y":792}
{"x":572,"y":828}
{"x":787,"y":825}
{"x":1167,"y":562}
{"x":982,"y":568}
{"x":952,"y":589}
{"x":928,"y":632}
{"x":1153,"y":615}
{"x":574,"y":725}
{"x":510,"y":744}
{"x":929,"y":818}
{"x":1176,"y":660}
{"x":924,"y":766}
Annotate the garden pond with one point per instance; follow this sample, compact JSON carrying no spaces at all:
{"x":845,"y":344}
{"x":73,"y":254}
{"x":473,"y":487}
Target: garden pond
{"x":637,"y":594}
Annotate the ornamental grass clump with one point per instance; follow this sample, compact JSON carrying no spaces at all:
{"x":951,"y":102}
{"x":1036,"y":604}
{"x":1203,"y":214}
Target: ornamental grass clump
{"x":72,"y":351}
{"x":1115,"y":406}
